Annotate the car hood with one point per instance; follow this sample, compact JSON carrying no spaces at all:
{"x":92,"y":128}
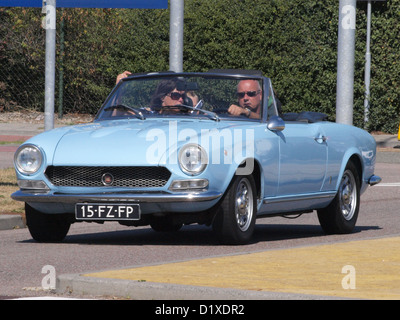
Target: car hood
{"x":130,"y":142}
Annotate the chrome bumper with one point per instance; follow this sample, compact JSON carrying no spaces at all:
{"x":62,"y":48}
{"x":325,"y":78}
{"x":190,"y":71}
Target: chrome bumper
{"x":50,"y":197}
{"x":373,"y":180}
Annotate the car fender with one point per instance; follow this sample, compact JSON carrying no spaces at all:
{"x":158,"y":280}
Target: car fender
{"x":345,"y":160}
{"x":345,"y":142}
{"x":47,"y":143}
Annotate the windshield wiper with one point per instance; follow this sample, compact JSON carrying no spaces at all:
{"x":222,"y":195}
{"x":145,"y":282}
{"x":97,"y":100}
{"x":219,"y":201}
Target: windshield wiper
{"x":137,"y":112}
{"x":210,"y":114}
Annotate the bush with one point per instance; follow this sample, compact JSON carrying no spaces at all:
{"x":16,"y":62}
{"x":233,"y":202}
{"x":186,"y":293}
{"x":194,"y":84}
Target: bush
{"x":292,"y":42}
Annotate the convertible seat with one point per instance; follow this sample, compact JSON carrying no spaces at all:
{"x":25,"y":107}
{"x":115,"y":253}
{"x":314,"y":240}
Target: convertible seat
{"x":307,"y":116}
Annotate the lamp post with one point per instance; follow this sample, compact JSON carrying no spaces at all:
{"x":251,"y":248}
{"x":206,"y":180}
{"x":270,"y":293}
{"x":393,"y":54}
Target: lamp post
{"x":176,"y":36}
{"x":50,"y":25}
{"x":345,"y":61}
{"x":367,"y":75}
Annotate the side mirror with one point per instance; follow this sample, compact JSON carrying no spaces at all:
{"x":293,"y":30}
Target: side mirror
{"x":275,"y":123}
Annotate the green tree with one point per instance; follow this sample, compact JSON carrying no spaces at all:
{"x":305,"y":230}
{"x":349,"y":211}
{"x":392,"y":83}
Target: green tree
{"x":294,"y":42}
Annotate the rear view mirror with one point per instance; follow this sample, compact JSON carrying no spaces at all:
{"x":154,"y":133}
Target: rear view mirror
{"x":275,"y":123}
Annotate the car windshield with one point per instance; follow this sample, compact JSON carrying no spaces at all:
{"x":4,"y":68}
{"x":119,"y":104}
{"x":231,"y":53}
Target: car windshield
{"x":214,"y":97}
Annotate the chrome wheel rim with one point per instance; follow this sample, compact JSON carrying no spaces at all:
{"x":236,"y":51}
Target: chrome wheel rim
{"x":348,"y":195}
{"x":244,"y":204}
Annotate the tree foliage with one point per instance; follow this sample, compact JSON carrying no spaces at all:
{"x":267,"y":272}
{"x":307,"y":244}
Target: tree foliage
{"x":294,"y":42}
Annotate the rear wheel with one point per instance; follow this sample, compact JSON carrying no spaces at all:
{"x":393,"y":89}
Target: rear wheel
{"x":46,"y":227}
{"x":235,"y":219}
{"x":342,"y":213}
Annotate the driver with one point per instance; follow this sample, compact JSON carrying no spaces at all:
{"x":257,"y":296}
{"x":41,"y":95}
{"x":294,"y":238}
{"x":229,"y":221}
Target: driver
{"x":249,"y":96}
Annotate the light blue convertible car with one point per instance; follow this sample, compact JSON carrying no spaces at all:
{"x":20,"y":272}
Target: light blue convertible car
{"x":168,"y":149}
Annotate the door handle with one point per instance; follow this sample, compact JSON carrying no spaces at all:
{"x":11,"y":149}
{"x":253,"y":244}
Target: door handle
{"x":321,"y":139}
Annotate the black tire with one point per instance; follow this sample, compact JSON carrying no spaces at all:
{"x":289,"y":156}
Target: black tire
{"x":235,"y":218}
{"x":341,"y":215}
{"x":46,"y":227}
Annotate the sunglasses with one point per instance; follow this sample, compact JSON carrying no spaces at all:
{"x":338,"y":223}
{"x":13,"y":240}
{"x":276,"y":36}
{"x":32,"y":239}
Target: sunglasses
{"x":249,"y":93}
{"x":176,"y":95}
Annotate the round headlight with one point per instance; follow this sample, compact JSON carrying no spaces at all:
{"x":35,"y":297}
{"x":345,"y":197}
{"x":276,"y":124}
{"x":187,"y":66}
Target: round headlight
{"x":28,"y":159}
{"x":192,"y":159}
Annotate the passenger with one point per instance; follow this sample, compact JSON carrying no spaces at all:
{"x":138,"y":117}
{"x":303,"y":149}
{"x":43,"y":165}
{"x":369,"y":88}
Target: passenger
{"x":122,"y":76}
{"x":167,"y":95}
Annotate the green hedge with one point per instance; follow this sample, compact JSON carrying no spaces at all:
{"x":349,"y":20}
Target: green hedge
{"x":292,"y":41}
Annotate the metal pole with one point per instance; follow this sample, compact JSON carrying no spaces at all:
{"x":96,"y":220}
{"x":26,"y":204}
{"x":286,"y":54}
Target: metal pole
{"x":345,"y":63}
{"x":176,"y":36}
{"x":50,"y":26}
{"x":367,"y":76}
{"x":61,"y":68}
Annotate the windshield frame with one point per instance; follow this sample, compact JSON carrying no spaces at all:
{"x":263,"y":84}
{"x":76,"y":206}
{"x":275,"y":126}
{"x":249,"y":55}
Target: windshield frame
{"x":267,"y":91}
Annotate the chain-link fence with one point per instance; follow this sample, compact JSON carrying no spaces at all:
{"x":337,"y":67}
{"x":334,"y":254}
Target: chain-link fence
{"x":85,"y":72}
{"x":21,"y":60}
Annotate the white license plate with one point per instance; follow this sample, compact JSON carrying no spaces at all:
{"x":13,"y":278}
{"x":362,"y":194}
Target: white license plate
{"x":107,"y":211}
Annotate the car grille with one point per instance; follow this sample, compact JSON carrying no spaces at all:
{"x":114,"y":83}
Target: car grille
{"x":130,"y":177}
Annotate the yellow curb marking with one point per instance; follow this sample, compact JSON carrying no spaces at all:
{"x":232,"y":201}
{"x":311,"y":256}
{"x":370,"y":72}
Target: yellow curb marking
{"x":318,"y":270}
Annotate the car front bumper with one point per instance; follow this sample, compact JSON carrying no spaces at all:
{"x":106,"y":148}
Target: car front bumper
{"x":50,"y":202}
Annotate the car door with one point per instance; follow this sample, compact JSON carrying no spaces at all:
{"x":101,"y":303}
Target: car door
{"x":302,"y":159}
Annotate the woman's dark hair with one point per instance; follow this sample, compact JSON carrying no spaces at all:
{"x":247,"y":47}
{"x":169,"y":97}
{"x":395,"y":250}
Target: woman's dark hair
{"x":163,"y":88}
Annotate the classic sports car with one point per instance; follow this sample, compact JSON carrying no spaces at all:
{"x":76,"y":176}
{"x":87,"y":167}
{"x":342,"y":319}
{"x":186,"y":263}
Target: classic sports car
{"x":168,"y":149}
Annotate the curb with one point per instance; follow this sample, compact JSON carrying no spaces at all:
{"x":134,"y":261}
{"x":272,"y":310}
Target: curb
{"x":81,"y":285}
{"x":11,"y":221}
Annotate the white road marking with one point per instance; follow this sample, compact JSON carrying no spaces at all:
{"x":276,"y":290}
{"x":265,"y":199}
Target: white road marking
{"x":391,"y":184}
{"x":46,"y":298}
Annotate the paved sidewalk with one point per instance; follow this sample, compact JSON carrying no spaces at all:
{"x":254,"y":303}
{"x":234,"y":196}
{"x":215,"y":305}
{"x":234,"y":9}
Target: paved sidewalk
{"x":11,"y":136}
{"x":387,"y":141}
{"x":20,"y":129}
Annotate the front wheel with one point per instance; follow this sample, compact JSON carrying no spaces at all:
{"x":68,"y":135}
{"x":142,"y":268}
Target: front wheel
{"x":46,"y":227}
{"x":342,"y":213}
{"x":235,"y":219}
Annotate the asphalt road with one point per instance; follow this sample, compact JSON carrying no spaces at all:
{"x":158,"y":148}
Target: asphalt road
{"x":93,"y":247}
